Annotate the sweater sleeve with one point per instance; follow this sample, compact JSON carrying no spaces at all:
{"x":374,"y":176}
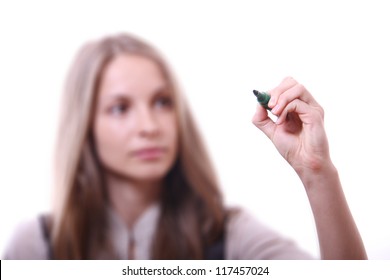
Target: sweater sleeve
{"x":27,"y":242}
{"x":248,"y":239}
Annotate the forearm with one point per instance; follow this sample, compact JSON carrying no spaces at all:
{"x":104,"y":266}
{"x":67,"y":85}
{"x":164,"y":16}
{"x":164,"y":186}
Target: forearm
{"x":338,"y":235}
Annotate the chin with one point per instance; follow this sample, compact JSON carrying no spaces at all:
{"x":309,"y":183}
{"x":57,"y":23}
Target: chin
{"x":148,"y":173}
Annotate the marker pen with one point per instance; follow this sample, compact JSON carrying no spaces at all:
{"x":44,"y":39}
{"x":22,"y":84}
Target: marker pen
{"x":263,"y":98}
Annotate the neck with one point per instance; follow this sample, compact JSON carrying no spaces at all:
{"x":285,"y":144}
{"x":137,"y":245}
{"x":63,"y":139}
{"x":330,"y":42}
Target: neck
{"x":131,"y":198}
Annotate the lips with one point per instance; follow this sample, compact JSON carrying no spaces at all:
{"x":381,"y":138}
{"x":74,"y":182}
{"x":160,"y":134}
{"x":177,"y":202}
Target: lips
{"x":151,"y":153}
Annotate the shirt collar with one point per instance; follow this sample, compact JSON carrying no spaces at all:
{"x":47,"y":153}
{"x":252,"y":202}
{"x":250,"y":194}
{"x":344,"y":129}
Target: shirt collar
{"x":141,"y":233}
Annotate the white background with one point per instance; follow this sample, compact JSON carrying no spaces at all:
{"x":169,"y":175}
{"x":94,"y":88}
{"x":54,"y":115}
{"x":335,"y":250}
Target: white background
{"x":220,"y":51}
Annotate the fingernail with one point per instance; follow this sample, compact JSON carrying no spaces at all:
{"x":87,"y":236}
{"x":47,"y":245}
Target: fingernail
{"x":275,"y":109}
{"x":271,"y":102}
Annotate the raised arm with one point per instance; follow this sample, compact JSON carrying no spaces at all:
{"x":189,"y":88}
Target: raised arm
{"x":300,"y":137}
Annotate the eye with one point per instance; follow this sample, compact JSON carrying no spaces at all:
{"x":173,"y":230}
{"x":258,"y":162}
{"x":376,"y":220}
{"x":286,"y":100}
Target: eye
{"x":163,"y":102}
{"x":119,"y":109}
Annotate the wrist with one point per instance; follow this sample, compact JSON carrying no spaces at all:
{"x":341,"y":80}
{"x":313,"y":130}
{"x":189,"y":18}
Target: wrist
{"x":315,"y":178}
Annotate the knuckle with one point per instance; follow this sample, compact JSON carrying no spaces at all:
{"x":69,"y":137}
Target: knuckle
{"x":288,"y":79}
{"x":301,"y":88}
{"x":320,"y":113}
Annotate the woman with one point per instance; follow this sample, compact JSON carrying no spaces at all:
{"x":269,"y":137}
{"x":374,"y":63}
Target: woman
{"x":134,"y":179}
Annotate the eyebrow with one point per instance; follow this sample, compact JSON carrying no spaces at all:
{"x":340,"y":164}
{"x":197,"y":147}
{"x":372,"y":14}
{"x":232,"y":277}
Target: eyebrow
{"x":120,"y":95}
{"x":115,"y":96}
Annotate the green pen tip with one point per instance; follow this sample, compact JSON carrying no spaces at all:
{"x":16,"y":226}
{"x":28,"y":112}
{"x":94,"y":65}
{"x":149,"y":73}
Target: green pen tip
{"x":262,"y":98}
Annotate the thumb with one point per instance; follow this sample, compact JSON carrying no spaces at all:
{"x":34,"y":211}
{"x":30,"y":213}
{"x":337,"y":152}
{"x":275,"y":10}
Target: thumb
{"x":263,"y":122}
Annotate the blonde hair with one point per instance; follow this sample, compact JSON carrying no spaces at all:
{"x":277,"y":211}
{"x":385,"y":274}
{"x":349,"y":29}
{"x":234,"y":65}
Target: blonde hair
{"x":191,"y":204}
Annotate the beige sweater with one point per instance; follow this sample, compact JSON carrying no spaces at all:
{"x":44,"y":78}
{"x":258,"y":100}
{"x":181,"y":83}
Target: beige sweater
{"x":245,"y":238}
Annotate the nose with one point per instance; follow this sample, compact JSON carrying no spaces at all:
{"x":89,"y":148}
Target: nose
{"x":147,"y":123}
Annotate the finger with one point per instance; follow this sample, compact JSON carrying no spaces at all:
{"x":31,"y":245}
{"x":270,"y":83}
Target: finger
{"x":286,"y":84}
{"x":298,"y":91}
{"x":262,"y":121}
{"x":307,"y":114}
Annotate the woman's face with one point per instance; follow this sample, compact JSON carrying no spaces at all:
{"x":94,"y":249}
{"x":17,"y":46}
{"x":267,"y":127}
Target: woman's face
{"x":135,"y":125}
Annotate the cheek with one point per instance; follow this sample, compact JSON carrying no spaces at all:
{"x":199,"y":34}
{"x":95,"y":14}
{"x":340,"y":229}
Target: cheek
{"x":172,"y":129}
{"x":109,"y":139}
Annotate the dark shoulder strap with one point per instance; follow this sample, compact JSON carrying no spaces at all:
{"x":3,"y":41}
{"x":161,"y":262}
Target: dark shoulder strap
{"x":216,"y":251}
{"x":44,"y":223}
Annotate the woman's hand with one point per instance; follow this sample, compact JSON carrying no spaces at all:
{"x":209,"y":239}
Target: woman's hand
{"x":299,"y":136}
{"x":298,"y":133}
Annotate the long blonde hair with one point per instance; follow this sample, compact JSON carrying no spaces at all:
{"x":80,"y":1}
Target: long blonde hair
{"x":192,"y":210}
